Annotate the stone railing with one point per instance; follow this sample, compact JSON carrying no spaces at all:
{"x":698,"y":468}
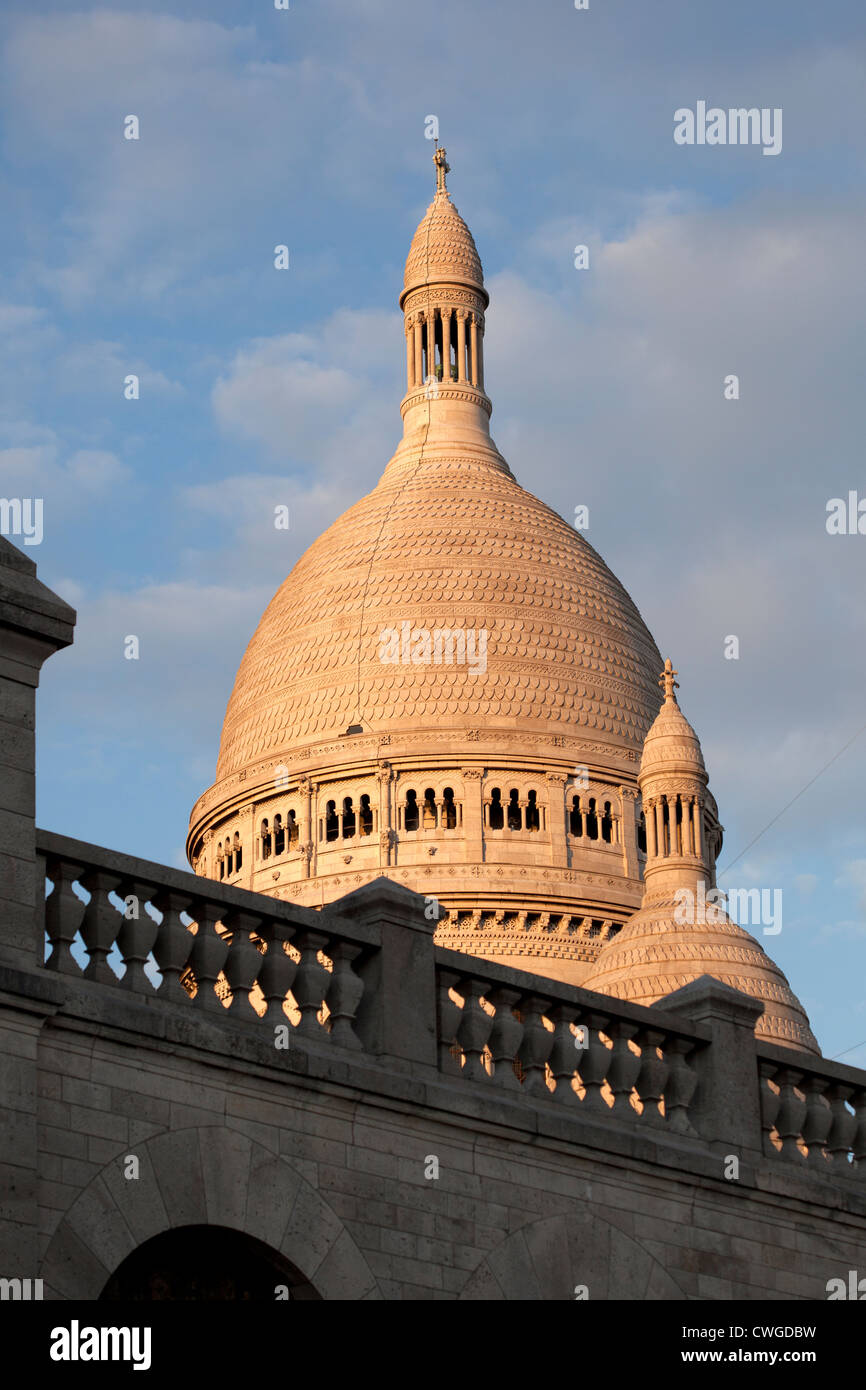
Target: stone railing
{"x":813,"y":1112}
{"x":217,"y":949}
{"x":557,"y":1043}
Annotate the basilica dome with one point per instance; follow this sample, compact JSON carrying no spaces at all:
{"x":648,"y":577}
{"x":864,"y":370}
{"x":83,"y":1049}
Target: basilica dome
{"x":450,"y":688}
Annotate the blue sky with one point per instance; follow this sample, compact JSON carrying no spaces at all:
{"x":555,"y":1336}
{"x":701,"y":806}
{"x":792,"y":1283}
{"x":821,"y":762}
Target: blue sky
{"x":306,"y":127}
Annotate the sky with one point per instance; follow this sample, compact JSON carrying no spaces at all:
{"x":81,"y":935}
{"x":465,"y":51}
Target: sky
{"x":306,"y":128}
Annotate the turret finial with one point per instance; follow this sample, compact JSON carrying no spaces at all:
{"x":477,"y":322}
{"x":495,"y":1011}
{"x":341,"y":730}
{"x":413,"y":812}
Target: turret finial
{"x":442,"y":168}
{"x":666,"y":679}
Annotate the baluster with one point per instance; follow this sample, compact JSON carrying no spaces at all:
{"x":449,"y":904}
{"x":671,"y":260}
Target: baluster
{"x":623,"y":1068}
{"x":680,"y":1085}
{"x":564,"y":1054}
{"x":450,"y":1015}
{"x":505,"y":1037}
{"x":652,"y":1076}
{"x":792,"y":1110}
{"x":858,"y":1143}
{"x":770,"y":1103}
{"x":841,"y":1129}
{"x":595,"y":1062}
{"x":345,"y":994}
{"x":536,"y":1045}
{"x":208,"y":955}
{"x":100,"y":925}
{"x":475,"y":1028}
{"x":276,"y":977}
{"x":312,"y":982}
{"x":137,"y":935}
{"x":816,"y":1125}
{"x":63,"y":913}
{"x":243,"y":964}
{"x":174,"y":942}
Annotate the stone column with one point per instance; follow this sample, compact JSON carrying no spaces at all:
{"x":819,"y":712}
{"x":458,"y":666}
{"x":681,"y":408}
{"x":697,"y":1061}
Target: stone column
{"x":628,"y":825}
{"x":461,"y":345}
{"x":659,"y":814}
{"x":431,"y":344}
{"x":34,"y":624}
{"x":556,"y":783}
{"x":473,"y":831}
{"x":418,"y":357}
{"x":697,"y":815}
{"x":473,"y":351}
{"x":384,"y":775}
{"x":446,"y":345}
{"x":410,"y":355}
{"x":480,"y":369}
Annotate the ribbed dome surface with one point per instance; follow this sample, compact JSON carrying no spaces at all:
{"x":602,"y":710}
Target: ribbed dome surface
{"x":654,"y":955}
{"x":671,"y":741}
{"x":442,"y":249}
{"x":450,"y":543}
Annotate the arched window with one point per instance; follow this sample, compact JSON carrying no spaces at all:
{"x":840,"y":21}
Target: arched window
{"x":641,"y":832}
{"x":496,"y":810}
{"x":532,"y":817}
{"x":575,"y":818}
{"x":292,"y":828}
{"x":515,"y":814}
{"x":266,"y":840}
{"x":279,"y":836}
{"x":410,"y":819}
{"x":430,"y":817}
{"x":366,"y":816}
{"x":348,"y":818}
{"x":220,"y":860}
{"x":607,"y":824}
{"x":332,"y":824}
{"x":239,"y":853}
{"x":592,"y":820}
{"x":449,"y":810}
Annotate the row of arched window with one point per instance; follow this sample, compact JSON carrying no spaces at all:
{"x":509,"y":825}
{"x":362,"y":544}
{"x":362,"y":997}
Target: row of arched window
{"x":589,"y":818}
{"x":230,"y":856}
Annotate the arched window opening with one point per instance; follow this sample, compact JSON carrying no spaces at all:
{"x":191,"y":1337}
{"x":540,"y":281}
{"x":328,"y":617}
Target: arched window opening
{"x":497,"y":815}
{"x":515,"y":814}
{"x":365,"y":816}
{"x":348,"y":818}
{"x":239,"y":853}
{"x":279,"y":836}
{"x":204,"y":1264}
{"x":410,"y":819}
{"x":430,"y":816}
{"x":641,"y":832}
{"x":532,"y":819}
{"x":220,"y":860}
{"x":607,"y":824}
{"x":266,"y":840}
{"x":592,"y":820}
{"x":575,"y":818}
{"x":449,"y":810}
{"x":332,"y":824}
{"x":292,"y":828}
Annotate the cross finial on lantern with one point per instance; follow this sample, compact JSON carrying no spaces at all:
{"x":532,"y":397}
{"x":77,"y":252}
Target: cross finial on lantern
{"x":442,"y":168}
{"x":666,"y":679}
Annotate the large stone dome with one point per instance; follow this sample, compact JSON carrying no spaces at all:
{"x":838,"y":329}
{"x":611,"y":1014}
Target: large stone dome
{"x":451,"y":688}
{"x":451,"y":543}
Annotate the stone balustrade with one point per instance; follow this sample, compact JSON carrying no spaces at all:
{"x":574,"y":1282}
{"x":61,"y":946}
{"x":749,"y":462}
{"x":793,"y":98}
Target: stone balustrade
{"x":364,"y":976}
{"x":556,"y":1043}
{"x":180,"y":939}
{"x":813,"y":1114}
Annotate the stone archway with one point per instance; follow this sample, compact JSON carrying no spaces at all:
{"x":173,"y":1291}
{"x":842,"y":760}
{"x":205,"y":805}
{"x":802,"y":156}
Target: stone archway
{"x":547,"y":1259}
{"x":206,"y":1176}
{"x":205,"y":1264}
